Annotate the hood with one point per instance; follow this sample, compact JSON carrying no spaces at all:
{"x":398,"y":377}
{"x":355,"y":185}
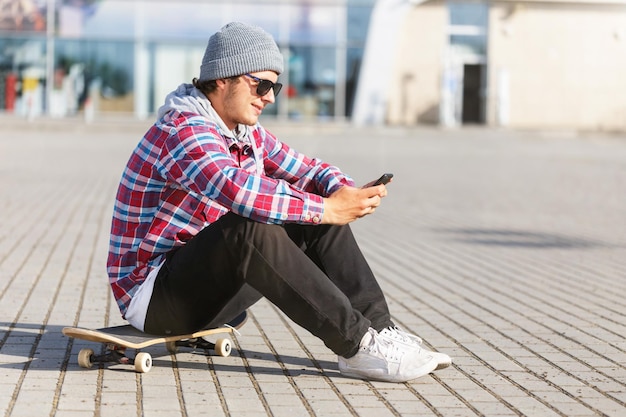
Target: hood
{"x":187,"y":98}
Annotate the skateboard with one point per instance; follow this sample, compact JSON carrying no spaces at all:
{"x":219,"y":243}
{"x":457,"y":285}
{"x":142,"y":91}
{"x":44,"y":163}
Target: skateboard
{"x":119,"y":338}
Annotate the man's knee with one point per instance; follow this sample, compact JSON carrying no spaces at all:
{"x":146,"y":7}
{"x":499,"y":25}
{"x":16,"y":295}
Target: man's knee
{"x":240,"y":230}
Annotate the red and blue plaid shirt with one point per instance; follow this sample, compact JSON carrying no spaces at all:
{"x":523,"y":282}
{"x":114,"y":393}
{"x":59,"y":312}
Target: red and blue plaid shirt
{"x":184,"y":175}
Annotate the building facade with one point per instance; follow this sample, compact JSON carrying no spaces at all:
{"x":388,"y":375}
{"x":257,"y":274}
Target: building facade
{"x":519,"y":64}
{"x":60,"y":57}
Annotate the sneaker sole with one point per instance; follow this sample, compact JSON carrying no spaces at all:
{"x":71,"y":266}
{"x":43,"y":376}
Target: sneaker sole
{"x":443,"y":360}
{"x":420,"y":372}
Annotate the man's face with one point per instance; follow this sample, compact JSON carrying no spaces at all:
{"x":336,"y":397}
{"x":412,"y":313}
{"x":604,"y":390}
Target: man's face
{"x":241,"y":102}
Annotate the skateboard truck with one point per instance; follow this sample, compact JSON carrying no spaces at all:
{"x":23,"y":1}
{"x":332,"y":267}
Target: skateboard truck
{"x":143,"y":360}
{"x":222,"y":347}
{"x":115,"y":354}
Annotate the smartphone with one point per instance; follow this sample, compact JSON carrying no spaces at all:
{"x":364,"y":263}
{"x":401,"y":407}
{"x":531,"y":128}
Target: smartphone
{"x":384,"y":179}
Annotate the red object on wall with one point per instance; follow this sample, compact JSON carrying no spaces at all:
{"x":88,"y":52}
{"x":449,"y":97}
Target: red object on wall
{"x":10,"y":92}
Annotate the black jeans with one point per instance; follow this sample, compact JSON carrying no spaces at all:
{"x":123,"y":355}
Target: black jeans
{"x":316,"y":275}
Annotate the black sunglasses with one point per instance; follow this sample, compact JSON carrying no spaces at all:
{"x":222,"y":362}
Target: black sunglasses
{"x":265,"y":86}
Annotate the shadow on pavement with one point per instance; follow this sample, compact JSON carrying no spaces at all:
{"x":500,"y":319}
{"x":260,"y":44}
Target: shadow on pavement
{"x":513,"y":238}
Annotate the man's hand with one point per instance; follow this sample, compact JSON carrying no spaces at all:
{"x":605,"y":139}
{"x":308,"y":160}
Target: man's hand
{"x":349,"y":203}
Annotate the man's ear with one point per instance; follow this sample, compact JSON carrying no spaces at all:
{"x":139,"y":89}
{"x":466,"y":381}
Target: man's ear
{"x":221,"y":83}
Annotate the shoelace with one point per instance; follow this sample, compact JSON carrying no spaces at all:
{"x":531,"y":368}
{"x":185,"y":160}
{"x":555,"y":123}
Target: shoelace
{"x":386,"y":348}
{"x":398,"y":334}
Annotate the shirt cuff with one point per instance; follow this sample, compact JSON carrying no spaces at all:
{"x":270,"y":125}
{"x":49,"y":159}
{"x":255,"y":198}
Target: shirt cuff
{"x":314,"y":210}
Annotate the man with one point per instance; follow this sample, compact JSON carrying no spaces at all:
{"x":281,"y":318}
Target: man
{"x":213,"y":213}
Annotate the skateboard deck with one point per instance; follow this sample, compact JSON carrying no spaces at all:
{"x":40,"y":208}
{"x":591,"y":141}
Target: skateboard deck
{"x":119,"y":338}
{"x":128,"y":337}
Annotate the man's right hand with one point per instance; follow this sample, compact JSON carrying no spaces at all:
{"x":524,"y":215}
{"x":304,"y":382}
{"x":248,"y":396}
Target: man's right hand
{"x":349,"y":203}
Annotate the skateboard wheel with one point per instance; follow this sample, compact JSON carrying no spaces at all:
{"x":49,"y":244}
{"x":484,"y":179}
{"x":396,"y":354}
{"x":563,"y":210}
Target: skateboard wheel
{"x":143,"y":362}
{"x":171,"y":347}
{"x":223,"y":347}
{"x":84,"y":358}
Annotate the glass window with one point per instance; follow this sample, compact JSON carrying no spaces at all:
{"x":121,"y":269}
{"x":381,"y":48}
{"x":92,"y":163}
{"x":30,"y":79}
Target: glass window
{"x":357,"y":21}
{"x":353,"y":67}
{"x":266,"y":16}
{"x":199,"y":20}
{"x":94,"y":18}
{"x":173,"y":21}
{"x":22,"y":75}
{"x":312,"y":79}
{"x":468,"y":14}
{"x":468,"y":23}
{"x":99,"y":71}
{"x":160,"y":20}
{"x":313,"y":24}
{"x":468,"y":45}
{"x":358,"y":24}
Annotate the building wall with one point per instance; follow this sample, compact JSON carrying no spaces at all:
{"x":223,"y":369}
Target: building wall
{"x":550,"y":65}
{"x":557,"y":66}
{"x":415,"y":85}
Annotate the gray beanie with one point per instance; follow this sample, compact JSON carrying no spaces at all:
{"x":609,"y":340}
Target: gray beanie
{"x":239,"y":49}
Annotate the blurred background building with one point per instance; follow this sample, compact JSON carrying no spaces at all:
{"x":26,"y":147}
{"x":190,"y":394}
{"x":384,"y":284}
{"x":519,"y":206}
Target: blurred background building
{"x":536,"y":64}
{"x":520,"y":64}
{"x":59,"y":57}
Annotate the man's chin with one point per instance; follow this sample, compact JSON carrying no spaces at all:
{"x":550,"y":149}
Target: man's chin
{"x":251,"y":121}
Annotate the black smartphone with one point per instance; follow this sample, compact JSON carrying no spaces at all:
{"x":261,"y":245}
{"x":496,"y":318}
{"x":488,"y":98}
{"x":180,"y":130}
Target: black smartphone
{"x":384,"y":179}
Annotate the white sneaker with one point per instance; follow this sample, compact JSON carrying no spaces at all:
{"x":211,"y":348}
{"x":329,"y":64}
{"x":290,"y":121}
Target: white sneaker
{"x":398,"y":335}
{"x":384,"y":360}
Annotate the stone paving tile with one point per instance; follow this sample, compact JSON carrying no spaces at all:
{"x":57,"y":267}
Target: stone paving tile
{"x":504,"y":249}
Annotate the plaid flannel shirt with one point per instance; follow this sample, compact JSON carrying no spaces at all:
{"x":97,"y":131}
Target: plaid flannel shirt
{"x":184,"y":175}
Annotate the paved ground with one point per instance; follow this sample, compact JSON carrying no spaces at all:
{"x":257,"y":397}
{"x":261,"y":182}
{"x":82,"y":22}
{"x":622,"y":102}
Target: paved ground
{"x":504,"y":249}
